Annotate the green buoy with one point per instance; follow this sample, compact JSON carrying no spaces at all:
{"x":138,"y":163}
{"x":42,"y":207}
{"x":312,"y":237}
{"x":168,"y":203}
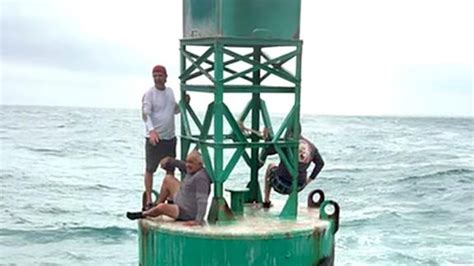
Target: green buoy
{"x":228,"y":47}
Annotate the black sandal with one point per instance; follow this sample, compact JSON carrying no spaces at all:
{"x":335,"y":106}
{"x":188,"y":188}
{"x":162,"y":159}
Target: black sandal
{"x":134,"y":215}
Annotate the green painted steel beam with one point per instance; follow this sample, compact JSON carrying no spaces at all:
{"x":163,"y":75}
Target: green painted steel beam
{"x":240,"y":89}
{"x":247,"y":158}
{"x":287,"y":161}
{"x":207,"y":160}
{"x":241,"y":42}
{"x":196,"y":64}
{"x":211,"y":68}
{"x":194,"y":117}
{"x":291,"y":207}
{"x":185,"y":127}
{"x":284,"y":125}
{"x":227,"y":137}
{"x":275,"y":62}
{"x":219,"y":211}
{"x":246,"y":111}
{"x":276,"y":65}
{"x":199,"y":88}
{"x":265,"y":66}
{"x":232,"y":145}
{"x":234,"y":125}
{"x":218,"y":115}
{"x":232,"y":162}
{"x":290,"y":210}
{"x":207,"y":121}
{"x":255,"y":194}
{"x":258,"y":89}
{"x":266,"y":117}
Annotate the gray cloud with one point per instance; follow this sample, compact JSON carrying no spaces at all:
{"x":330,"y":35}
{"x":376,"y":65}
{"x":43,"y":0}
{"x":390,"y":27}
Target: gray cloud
{"x":37,"y":34}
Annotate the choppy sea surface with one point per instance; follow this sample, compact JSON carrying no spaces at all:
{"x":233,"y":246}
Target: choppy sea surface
{"x":405,"y":186}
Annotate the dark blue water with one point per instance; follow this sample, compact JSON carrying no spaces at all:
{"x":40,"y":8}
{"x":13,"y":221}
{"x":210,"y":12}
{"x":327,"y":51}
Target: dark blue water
{"x":405,"y":186}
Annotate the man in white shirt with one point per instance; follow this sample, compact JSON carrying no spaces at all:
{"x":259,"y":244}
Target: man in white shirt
{"x":158,"y":110}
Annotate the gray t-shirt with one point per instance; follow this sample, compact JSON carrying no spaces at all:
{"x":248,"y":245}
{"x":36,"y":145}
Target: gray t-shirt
{"x":159,"y":108}
{"x":193,"y":193}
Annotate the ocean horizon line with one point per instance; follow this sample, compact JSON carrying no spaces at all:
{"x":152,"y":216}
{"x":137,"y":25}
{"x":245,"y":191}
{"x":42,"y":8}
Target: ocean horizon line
{"x":276,"y":114}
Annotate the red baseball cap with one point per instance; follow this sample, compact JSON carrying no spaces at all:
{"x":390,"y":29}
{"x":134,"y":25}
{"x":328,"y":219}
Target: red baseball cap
{"x":159,"y":69}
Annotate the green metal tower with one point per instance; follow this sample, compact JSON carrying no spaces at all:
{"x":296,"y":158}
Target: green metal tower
{"x":226,"y":49}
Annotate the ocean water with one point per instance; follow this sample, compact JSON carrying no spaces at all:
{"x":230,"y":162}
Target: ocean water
{"x":405,"y":186}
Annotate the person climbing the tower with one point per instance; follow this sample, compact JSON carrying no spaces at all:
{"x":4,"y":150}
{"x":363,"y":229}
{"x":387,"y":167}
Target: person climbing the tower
{"x":279,"y":178}
{"x":189,"y":196}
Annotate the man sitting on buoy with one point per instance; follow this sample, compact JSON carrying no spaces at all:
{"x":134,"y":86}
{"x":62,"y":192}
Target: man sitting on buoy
{"x":189,"y":197}
{"x":279,"y":178}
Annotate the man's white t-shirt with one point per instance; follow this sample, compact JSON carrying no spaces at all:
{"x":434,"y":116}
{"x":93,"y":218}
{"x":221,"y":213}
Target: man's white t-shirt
{"x":159,"y":108}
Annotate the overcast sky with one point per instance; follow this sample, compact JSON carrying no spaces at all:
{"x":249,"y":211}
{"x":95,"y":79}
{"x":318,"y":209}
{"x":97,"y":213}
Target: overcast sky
{"x":365,"y":57}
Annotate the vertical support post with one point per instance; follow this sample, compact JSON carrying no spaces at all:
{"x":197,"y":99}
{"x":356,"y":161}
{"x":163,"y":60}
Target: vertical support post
{"x":218,"y":119}
{"x":219,"y":211}
{"x":290,"y":211}
{"x":255,"y":194}
{"x":184,"y":143}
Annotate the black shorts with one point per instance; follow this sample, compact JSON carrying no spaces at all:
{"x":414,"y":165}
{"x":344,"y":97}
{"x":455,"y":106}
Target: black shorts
{"x":280,"y":184}
{"x":183,"y":215}
{"x":154,"y":154}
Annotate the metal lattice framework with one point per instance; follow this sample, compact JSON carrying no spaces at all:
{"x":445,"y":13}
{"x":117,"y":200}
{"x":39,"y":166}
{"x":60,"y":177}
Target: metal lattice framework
{"x":217,"y":59}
